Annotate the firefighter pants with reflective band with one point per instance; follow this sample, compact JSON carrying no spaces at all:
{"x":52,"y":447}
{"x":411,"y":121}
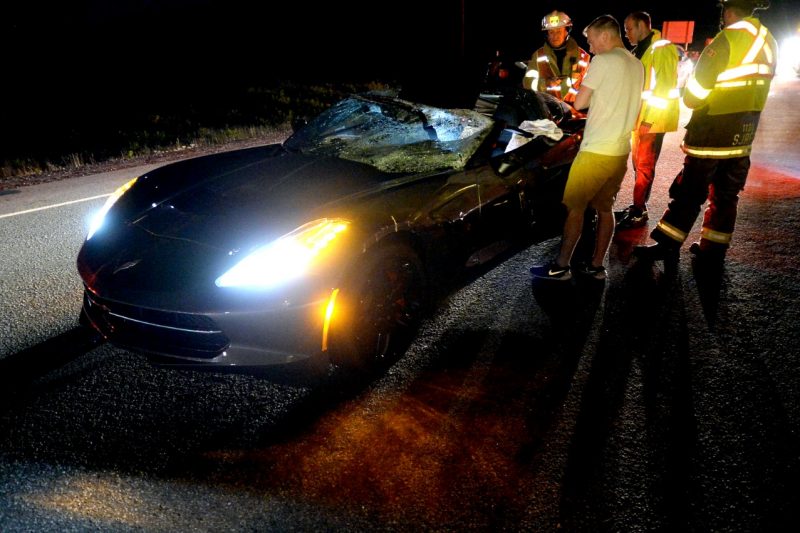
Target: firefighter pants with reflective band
{"x":719,"y":181}
{"x":645,"y":149}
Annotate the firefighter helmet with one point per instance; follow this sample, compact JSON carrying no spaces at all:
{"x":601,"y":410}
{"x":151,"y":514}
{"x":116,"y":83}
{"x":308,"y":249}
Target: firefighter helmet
{"x":747,"y":5}
{"x":556,"y":19}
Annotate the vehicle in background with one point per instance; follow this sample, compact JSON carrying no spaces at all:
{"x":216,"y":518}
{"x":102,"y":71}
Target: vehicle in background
{"x":503,"y":72}
{"x":685,"y":67}
{"x":789,"y":54}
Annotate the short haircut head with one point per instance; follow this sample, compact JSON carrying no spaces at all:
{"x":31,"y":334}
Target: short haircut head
{"x":641,"y":16}
{"x":742,"y":11}
{"x":604,"y":23}
{"x":744,"y":8}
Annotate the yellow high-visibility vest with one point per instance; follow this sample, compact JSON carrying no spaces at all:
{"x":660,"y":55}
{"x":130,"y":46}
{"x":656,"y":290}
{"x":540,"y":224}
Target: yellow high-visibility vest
{"x":744,"y":84}
{"x":660,"y":95}
{"x":728,"y":90}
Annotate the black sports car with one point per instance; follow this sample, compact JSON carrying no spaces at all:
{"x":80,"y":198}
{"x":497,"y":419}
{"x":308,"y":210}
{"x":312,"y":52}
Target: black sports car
{"x":327,"y":247}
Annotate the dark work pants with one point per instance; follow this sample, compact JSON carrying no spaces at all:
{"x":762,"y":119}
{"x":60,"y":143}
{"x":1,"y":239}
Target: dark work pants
{"x":717,"y":180}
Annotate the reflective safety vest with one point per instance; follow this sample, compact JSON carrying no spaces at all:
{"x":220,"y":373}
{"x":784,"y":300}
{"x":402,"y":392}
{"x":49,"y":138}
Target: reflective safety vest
{"x":562,"y":81}
{"x":660,"y":96}
{"x":728,"y":89}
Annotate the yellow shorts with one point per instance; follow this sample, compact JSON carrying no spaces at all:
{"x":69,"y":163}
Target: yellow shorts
{"x":594,"y":180}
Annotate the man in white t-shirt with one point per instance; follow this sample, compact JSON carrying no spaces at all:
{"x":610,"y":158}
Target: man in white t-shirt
{"x":612,"y":90}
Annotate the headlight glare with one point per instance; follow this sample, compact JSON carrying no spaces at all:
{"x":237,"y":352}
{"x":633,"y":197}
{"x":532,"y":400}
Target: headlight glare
{"x":284,"y":259}
{"x":100,"y":216}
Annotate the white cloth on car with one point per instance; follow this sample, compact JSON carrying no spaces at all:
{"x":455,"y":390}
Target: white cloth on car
{"x":544,"y":126}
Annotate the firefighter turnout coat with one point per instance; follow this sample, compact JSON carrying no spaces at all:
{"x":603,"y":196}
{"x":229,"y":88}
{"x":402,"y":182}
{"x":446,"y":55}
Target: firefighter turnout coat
{"x":660,"y":96}
{"x":728,"y":90}
{"x":561,"y":81}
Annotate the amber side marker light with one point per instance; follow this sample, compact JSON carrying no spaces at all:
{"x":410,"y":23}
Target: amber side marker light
{"x":327,"y":322}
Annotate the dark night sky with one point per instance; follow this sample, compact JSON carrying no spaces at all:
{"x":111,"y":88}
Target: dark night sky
{"x":54,"y":53}
{"x":201,"y":39}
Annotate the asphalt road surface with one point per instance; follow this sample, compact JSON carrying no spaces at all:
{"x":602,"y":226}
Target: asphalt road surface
{"x":650,"y":402}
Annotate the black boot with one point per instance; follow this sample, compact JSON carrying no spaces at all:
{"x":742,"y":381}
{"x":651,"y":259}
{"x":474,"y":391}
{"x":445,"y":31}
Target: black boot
{"x":712,"y":257}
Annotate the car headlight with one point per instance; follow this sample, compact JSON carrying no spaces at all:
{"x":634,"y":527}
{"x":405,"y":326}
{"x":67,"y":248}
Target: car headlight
{"x":286,"y":258}
{"x":100,"y":216}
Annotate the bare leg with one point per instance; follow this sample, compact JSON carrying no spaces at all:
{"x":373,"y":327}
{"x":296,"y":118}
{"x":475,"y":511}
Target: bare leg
{"x":572,"y":232}
{"x":605,"y":230}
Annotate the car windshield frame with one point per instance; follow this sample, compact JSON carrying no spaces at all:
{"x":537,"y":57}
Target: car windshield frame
{"x":393,"y":135}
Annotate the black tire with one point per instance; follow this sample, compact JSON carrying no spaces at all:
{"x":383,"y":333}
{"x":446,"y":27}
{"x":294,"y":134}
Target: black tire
{"x":379,"y":309}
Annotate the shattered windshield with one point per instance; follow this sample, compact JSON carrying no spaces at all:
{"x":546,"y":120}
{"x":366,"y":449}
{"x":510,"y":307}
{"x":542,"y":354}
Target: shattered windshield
{"x":393,"y":135}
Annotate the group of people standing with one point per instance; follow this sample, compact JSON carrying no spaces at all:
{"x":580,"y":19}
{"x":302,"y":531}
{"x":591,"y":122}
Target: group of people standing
{"x":633,"y":100}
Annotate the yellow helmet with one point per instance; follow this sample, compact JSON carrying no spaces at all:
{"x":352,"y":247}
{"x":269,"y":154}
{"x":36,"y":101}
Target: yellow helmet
{"x":556,"y":19}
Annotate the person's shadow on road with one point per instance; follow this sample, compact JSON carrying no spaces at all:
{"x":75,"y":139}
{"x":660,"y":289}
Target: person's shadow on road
{"x":640,"y":361}
{"x":710,"y":279}
{"x":569,"y":304}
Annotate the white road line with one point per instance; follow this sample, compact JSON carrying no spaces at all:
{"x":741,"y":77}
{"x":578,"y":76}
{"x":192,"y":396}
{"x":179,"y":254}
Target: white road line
{"x":54,"y":205}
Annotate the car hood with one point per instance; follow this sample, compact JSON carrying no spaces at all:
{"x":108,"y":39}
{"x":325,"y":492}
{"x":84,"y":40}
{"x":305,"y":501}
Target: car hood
{"x":248,"y":197}
{"x":182,"y":225}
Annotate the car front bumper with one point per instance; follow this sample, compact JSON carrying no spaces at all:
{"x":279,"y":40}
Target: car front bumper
{"x":246,"y":338}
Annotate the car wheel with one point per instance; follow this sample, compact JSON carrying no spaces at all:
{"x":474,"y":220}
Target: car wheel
{"x":380,"y":307}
